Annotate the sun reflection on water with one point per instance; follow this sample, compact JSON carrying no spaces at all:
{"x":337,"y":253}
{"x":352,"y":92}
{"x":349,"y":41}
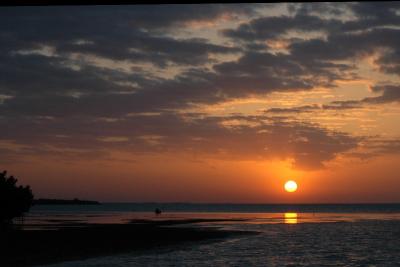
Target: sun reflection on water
{"x":290,"y":217}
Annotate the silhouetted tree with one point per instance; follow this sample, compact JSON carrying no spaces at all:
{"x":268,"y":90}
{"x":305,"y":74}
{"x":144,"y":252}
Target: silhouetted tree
{"x":14,"y":200}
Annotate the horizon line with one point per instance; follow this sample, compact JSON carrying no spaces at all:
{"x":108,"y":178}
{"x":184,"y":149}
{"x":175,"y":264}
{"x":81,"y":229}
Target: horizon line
{"x":252,"y":203}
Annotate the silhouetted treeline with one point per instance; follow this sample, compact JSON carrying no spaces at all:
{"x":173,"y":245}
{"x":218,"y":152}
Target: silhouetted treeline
{"x":14,"y":200}
{"x":46,"y":201}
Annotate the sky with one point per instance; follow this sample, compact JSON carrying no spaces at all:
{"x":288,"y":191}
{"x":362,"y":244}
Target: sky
{"x":203,"y":103}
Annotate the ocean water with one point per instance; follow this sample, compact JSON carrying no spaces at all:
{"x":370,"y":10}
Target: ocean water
{"x":289,"y":235}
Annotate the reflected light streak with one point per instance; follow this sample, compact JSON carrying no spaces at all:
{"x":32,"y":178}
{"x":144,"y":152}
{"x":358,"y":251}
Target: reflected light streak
{"x":290,"y":217}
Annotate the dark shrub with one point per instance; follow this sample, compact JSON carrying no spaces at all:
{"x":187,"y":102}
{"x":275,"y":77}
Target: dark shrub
{"x":14,"y":200}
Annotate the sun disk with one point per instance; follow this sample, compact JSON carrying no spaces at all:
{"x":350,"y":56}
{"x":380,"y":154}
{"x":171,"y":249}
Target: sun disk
{"x":290,"y":186}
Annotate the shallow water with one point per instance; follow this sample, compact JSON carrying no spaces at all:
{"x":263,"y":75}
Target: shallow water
{"x":359,"y":243}
{"x":285,"y":239}
{"x":45,"y":215}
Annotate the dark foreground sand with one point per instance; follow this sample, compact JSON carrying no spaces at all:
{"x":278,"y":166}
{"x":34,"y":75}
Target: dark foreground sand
{"x":80,"y":241}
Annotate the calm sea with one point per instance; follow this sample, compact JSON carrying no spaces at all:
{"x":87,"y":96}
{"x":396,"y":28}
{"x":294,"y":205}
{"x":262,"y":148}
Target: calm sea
{"x":290,"y":235}
{"x":199,"y":207}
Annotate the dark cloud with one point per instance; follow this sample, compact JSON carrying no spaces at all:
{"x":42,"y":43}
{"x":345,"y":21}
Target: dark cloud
{"x":49,"y":86}
{"x":59,"y":105}
{"x":69,"y":22}
{"x":146,"y":48}
{"x":389,"y":93}
{"x":116,"y":32}
{"x":272,"y":27}
{"x":381,"y":10}
{"x":263,"y":72}
{"x":107,"y":99}
{"x":301,"y":109}
{"x":374,"y":29}
{"x":376,"y":146}
{"x":309,"y":145}
{"x":385,"y":146}
{"x":345,"y":46}
{"x":335,"y":9}
{"x":55,"y":89}
{"x":334,"y":105}
{"x":38,"y":75}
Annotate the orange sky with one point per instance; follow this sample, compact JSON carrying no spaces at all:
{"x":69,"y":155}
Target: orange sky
{"x":203,"y":103}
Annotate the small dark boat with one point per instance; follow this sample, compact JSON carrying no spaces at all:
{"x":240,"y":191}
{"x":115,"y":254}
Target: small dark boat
{"x":157,"y":211}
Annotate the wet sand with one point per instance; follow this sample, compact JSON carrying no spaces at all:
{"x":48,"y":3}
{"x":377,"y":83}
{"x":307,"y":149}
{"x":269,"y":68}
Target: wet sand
{"x":80,"y":241}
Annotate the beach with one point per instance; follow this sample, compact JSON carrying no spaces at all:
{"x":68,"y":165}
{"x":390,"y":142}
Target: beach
{"x":77,"y":241}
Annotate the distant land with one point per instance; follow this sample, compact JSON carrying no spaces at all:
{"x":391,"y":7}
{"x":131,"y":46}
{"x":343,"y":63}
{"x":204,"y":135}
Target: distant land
{"x":75,"y":201}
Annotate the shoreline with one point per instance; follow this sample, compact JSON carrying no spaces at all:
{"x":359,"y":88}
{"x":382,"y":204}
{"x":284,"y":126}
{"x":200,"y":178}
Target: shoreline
{"x":23,"y":248}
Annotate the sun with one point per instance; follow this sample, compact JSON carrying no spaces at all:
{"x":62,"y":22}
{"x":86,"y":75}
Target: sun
{"x":290,"y":186}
